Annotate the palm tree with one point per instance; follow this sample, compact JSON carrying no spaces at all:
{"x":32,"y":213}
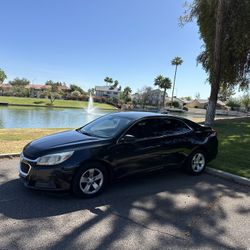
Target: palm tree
{"x":108,"y":80}
{"x":2,"y":76}
{"x":116,"y":83}
{"x":125,"y":95}
{"x":176,"y":61}
{"x":163,"y":83}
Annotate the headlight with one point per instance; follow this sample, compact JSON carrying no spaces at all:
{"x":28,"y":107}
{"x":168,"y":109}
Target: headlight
{"x":54,"y":159}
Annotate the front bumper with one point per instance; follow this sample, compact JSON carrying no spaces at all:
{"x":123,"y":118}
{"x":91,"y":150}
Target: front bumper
{"x":56,"y":178}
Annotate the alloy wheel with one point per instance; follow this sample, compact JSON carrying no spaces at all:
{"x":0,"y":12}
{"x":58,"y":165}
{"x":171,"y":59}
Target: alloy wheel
{"x":198,"y":162}
{"x":91,"y":181}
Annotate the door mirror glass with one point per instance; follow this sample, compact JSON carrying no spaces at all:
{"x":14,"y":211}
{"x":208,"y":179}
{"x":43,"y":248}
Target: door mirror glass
{"x":128,"y":138}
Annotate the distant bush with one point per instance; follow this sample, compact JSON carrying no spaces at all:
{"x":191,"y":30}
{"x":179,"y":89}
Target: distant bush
{"x":43,"y":95}
{"x":233,"y":103}
{"x":8,"y":93}
{"x":75,"y":95}
{"x":39,"y":102}
{"x":176,"y":104}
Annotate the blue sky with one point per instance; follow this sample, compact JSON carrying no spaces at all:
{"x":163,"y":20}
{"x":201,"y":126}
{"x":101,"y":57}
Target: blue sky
{"x":83,"y":41}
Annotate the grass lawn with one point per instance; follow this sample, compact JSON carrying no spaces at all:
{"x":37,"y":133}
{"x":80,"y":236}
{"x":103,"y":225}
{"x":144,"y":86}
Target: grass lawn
{"x":46,"y":102}
{"x":234,"y":146}
{"x":13,"y":140}
{"x":233,"y":135}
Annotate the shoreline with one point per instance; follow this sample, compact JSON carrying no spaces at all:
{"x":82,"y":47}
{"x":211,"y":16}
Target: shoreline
{"x":49,"y":106}
{"x":11,"y":101}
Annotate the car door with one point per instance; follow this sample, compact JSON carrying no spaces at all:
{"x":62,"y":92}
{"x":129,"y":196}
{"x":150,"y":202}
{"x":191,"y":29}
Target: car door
{"x":140,"y":154}
{"x":176,"y":142}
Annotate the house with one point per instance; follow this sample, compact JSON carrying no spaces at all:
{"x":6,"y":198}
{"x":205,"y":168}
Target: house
{"x":202,"y":104}
{"x":35,"y":90}
{"x":5,"y":88}
{"x":156,"y":97}
{"x":175,"y":99}
{"x":152,"y":97}
{"x":107,"y":92}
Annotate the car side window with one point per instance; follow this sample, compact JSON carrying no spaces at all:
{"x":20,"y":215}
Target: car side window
{"x":173,"y":126}
{"x":157,"y":127}
{"x":144,"y":129}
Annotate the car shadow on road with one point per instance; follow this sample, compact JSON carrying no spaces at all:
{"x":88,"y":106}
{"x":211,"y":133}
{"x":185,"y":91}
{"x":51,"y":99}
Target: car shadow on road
{"x":178,"y":208}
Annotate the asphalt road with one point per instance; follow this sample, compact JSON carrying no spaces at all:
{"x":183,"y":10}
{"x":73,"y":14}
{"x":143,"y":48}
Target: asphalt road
{"x":167,"y":210}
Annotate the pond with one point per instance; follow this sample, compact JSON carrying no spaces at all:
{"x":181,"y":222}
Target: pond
{"x":37,"y":117}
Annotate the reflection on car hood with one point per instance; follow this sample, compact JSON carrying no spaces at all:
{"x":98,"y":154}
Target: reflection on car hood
{"x":66,"y":140}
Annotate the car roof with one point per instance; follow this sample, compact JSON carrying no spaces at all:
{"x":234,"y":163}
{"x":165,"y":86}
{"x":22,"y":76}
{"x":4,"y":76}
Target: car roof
{"x":135,"y":115}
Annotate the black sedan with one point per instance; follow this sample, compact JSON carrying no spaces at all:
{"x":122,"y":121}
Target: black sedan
{"x":113,"y":146}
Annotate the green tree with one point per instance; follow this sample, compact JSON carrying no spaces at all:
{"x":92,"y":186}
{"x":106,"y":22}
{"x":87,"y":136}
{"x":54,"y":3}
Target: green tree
{"x":19,"y":82}
{"x":91,"y":91}
{"x":125,"y":95}
{"x":197,"y":95}
{"x":74,"y":87}
{"x":176,"y":104}
{"x":176,"y":62}
{"x":3,"y":76}
{"x":20,"y":91}
{"x":144,"y":95}
{"x":116,"y":83}
{"x":188,"y":98}
{"x":53,"y":91}
{"x":225,"y":92}
{"x":233,"y":103}
{"x":75,"y":94}
{"x":245,"y":100}
{"x":50,"y":82}
{"x":108,"y":80}
{"x":163,"y":83}
{"x":224,"y":29}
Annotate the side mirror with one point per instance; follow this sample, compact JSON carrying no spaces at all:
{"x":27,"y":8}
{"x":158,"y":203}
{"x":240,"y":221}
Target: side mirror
{"x":128,"y":138}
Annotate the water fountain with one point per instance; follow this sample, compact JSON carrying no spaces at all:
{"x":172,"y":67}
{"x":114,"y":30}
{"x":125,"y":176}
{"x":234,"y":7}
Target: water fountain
{"x":90,"y":109}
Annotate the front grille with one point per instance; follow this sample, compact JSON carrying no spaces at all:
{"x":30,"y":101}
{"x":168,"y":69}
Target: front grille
{"x":25,"y":167}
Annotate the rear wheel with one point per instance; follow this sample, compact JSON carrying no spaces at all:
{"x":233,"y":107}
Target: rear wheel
{"x":90,"y":180}
{"x":196,"y":163}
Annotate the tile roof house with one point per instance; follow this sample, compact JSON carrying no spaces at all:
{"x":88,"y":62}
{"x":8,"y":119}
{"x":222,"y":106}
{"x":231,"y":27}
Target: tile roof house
{"x":107,"y":91}
{"x":202,"y":104}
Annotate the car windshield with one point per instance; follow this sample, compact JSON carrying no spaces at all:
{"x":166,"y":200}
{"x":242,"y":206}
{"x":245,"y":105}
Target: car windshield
{"x":107,"y":126}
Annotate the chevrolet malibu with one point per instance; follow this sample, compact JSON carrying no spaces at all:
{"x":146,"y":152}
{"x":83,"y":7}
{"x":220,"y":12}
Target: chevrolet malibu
{"x":113,"y":146}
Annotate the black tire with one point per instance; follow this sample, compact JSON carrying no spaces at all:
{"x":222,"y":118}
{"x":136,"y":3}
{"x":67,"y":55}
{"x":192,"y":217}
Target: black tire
{"x":83,"y":185}
{"x":196,"y":163}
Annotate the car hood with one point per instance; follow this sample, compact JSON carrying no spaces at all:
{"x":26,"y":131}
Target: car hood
{"x":63,"y":141}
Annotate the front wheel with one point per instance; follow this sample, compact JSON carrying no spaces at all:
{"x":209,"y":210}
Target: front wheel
{"x":196,"y":163}
{"x":90,"y":180}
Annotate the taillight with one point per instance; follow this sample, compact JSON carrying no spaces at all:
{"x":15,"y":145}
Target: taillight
{"x":214,"y":132}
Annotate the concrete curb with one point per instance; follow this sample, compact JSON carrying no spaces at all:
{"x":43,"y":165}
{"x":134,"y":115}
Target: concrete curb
{"x":9,"y":155}
{"x":231,"y":177}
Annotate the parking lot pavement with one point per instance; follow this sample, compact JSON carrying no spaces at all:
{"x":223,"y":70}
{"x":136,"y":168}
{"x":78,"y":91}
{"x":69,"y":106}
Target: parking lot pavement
{"x":167,"y":210}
